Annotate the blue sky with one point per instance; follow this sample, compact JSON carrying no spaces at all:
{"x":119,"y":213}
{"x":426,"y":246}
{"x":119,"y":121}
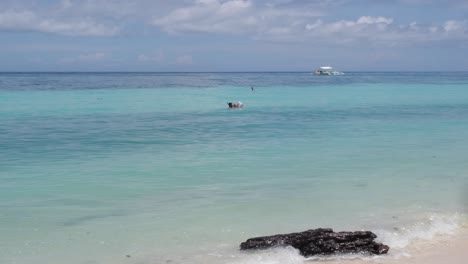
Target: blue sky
{"x":233,"y":35}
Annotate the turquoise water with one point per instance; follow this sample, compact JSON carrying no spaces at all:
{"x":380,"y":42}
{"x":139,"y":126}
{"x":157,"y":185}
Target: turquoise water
{"x":95,"y":167}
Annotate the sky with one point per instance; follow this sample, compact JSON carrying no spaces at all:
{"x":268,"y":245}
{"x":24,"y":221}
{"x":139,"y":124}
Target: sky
{"x":233,"y":35}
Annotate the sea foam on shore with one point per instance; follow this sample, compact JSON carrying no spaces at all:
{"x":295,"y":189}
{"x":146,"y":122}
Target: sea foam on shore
{"x":427,"y":241}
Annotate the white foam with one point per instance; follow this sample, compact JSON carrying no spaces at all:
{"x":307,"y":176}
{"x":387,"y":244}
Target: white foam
{"x":424,"y":230}
{"x":402,"y":242}
{"x":288,"y":255}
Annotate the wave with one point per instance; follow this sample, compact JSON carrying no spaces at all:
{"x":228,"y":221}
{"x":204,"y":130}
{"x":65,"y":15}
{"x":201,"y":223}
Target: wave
{"x":432,"y":229}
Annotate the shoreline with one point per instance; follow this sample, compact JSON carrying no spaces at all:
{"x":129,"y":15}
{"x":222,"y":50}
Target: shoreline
{"x":439,"y":248}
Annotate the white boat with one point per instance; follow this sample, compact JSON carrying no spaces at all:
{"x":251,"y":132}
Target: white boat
{"x":327,"y":70}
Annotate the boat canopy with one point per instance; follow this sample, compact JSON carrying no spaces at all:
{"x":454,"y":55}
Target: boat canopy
{"x":326,"y":68}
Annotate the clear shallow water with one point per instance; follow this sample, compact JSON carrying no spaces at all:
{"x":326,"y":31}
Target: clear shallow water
{"x":94,"y":167}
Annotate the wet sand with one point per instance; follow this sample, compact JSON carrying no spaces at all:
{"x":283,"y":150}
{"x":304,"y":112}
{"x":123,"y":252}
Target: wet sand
{"x":454,"y":251}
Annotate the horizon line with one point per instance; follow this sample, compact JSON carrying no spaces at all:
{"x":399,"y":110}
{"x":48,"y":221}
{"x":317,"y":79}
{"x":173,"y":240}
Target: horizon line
{"x":361,"y":71}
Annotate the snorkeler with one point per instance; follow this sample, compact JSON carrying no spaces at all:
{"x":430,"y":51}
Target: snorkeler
{"x":237,"y":104}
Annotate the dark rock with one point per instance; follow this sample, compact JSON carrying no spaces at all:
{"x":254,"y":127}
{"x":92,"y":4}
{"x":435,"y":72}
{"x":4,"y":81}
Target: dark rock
{"x":322,"y":241}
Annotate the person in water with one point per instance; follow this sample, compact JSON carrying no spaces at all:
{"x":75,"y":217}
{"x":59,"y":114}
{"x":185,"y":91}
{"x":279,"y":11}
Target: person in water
{"x":238,"y":104}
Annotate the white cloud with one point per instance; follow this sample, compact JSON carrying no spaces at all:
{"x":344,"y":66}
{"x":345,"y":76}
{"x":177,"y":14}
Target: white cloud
{"x":208,"y":16}
{"x":20,"y":20}
{"x":385,"y":32}
{"x":29,"y":21}
{"x":88,"y":57}
{"x":290,"y":21}
{"x":233,"y":16}
{"x":268,"y":20}
{"x":452,"y":25}
{"x":374,"y":20}
{"x":360,"y":27}
{"x":185,"y":59}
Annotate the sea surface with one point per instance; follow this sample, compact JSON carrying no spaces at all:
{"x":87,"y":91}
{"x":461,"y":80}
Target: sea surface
{"x":143,"y":168}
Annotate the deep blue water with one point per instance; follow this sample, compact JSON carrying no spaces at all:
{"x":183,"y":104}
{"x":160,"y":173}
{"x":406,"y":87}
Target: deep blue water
{"x":70,"y":81}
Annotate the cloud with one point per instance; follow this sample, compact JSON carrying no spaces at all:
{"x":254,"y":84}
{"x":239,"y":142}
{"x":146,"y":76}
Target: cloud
{"x":403,"y":3}
{"x":383,"y":31}
{"x":289,"y":21}
{"x":262,"y":20}
{"x":20,"y":20}
{"x":270,"y":23}
{"x":185,"y":59}
{"x":357,"y":28}
{"x":26,"y":20}
{"x":233,"y":16}
{"x":452,"y":25}
{"x":374,"y":20}
{"x":89,"y":57}
{"x":207,"y":16}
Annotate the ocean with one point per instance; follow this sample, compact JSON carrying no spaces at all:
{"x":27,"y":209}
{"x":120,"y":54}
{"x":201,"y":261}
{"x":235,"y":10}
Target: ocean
{"x":143,"y":168}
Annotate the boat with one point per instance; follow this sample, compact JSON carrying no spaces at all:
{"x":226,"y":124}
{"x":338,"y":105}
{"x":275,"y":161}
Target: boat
{"x":327,"y":70}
